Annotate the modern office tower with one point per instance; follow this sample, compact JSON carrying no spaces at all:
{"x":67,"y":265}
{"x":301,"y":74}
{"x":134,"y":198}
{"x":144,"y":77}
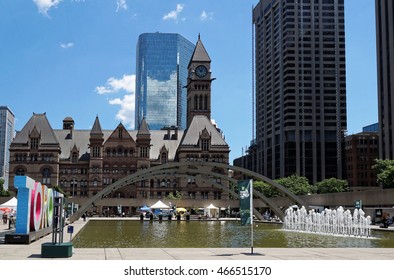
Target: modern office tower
{"x":385,"y":61}
{"x":162,"y":61}
{"x":7,"y":120}
{"x":300,"y":88}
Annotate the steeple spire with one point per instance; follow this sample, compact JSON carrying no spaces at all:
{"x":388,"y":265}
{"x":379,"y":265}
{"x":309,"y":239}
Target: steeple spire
{"x":96,"y":129}
{"x":144,"y":129}
{"x":200,"y":54}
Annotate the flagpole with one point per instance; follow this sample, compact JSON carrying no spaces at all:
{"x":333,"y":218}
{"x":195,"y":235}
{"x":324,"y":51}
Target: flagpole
{"x":251,"y":215}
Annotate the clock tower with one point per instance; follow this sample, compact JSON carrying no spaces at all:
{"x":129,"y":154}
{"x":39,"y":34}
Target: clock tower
{"x":199,"y":84}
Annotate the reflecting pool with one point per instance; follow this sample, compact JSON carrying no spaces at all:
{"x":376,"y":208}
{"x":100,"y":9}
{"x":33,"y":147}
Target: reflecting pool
{"x":212,"y":234}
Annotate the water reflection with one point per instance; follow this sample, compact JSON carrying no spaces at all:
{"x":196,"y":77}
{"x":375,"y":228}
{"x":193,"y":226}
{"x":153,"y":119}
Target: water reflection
{"x":206,"y":234}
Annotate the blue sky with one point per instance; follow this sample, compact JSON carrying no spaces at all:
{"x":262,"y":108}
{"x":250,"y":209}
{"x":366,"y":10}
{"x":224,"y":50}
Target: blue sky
{"x":77,"y":58}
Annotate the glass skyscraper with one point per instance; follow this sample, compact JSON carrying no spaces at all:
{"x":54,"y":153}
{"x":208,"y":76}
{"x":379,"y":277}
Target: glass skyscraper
{"x":7,"y":120}
{"x":161,"y":76}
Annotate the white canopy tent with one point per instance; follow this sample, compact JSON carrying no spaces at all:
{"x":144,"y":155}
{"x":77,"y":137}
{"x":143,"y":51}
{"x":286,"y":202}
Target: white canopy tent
{"x":12,"y":203}
{"x":211,"y":211}
{"x":159,"y":205}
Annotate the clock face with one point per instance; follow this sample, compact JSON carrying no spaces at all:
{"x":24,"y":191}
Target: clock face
{"x":201,"y":71}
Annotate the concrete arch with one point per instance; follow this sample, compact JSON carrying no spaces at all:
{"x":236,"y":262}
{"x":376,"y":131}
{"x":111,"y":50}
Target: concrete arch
{"x":195,"y":168}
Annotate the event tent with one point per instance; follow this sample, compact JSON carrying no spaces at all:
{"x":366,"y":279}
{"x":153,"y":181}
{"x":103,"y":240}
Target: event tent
{"x":160,"y":205}
{"x":145,"y":208}
{"x":9,"y":205}
{"x":12,"y":203}
{"x":211,"y":211}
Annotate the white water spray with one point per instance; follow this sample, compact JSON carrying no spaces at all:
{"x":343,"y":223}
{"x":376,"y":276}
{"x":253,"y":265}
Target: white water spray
{"x":336,"y":222}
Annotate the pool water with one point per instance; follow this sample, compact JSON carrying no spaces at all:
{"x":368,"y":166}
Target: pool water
{"x":212,"y":234}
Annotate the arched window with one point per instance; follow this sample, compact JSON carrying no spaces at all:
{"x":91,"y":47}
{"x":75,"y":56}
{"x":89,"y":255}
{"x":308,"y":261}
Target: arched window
{"x":195,"y":102}
{"x":46,"y":176}
{"x":20,"y":172}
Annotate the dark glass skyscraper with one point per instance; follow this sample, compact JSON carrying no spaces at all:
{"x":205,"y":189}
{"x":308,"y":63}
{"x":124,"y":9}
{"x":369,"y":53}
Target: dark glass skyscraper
{"x":385,"y":62}
{"x":300,"y":88}
{"x":162,"y":61}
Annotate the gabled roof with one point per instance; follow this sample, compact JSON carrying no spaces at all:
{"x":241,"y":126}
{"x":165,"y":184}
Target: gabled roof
{"x":125,"y":136}
{"x":40,"y":123}
{"x":197,"y":126}
{"x":200,"y":53}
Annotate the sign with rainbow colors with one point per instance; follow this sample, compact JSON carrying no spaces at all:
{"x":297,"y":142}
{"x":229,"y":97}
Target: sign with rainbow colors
{"x":35,"y":205}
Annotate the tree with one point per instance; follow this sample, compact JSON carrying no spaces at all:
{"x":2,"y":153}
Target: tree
{"x":298,"y":185}
{"x":267,"y":190}
{"x":332,"y":185}
{"x":3,"y":192}
{"x":176,"y":195}
{"x":385,"y":172}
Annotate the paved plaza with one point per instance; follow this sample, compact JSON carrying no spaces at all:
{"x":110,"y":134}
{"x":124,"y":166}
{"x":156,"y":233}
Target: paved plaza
{"x":33,"y":251}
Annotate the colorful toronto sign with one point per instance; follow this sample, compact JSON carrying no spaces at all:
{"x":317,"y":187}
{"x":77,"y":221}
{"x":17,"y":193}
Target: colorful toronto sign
{"x":35,"y":205}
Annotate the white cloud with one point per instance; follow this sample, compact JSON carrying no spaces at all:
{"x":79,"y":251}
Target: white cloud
{"x":126,"y":111}
{"x":67,"y":45}
{"x":45,"y":5}
{"x":174,"y":14}
{"x":126,"y":83}
{"x":206,"y":16}
{"x":121,"y":5}
{"x":127,"y":102}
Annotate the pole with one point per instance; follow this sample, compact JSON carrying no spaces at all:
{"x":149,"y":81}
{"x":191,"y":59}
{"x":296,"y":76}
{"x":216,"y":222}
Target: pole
{"x":251,"y":215}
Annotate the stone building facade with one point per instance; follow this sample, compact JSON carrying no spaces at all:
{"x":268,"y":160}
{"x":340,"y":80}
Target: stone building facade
{"x":83,"y":162}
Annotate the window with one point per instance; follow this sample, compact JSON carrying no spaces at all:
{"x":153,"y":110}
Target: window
{"x":73,"y":186}
{"x":34,"y":143}
{"x":20,"y":172}
{"x":74,"y":158}
{"x":205,"y":144}
{"x":144,"y":152}
{"x":163,"y":158}
{"x":96,"y":151}
{"x":46,"y":176}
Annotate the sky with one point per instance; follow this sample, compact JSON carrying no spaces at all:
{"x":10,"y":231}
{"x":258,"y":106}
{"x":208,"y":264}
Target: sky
{"x":77,"y":58}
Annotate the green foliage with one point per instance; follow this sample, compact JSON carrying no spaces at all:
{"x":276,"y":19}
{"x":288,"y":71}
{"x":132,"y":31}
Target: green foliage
{"x":332,"y":185}
{"x":385,"y":172}
{"x":267,"y":190}
{"x":298,"y":185}
{"x":3,"y":192}
{"x":60,"y":190}
{"x":177,"y":195}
